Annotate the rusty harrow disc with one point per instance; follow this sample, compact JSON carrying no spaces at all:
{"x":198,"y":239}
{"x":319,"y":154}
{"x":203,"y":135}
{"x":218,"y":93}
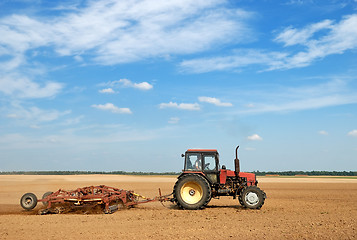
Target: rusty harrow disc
{"x":108,"y":198}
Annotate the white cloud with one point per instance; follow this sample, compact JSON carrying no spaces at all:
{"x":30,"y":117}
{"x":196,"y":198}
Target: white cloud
{"x":174,"y":120}
{"x":137,"y":29}
{"x":318,"y":40}
{"x":22,"y":87}
{"x":255,"y":137}
{"x":291,"y":36}
{"x":107,"y":90}
{"x":183,"y":106}
{"x":239,"y":59}
{"x":353,"y":133}
{"x":13,"y":115}
{"x":332,"y":93}
{"x":126,"y":83}
{"x":339,"y":38}
{"x":35,"y":114}
{"x":112,"y":108}
{"x":78,"y":58}
{"x":105,"y":134}
{"x":323,"y":132}
{"x":250,"y":105}
{"x":142,"y":86}
{"x":72,"y":121}
{"x":215,"y":101}
{"x":249,"y":149}
{"x":305,"y":104}
{"x":16,"y":60}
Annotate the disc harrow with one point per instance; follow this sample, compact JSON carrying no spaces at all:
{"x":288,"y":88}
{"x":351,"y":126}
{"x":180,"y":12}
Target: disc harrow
{"x":109,"y":199}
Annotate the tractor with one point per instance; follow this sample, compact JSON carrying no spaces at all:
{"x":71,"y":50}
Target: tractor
{"x":202,"y":179}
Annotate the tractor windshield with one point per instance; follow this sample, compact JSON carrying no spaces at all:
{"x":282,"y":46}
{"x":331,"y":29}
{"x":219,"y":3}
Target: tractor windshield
{"x":193,"y":162}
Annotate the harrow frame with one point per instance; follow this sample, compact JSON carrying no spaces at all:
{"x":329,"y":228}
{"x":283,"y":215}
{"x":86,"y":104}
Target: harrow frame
{"x":110,"y":197}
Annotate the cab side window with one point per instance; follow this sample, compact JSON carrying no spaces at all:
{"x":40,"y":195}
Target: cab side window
{"x":210,"y":163}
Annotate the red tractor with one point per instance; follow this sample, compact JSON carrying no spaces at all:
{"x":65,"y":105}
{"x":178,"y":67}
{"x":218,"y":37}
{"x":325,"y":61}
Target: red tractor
{"x":203,"y":179}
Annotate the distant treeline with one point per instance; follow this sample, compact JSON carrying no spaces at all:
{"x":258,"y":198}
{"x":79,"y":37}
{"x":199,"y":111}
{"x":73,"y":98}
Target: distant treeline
{"x":84,"y":172}
{"x":308,"y":173}
{"x":258,"y":173}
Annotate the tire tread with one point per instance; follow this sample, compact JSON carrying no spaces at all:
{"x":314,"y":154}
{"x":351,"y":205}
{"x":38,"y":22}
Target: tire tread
{"x":261,"y":195}
{"x":200,"y":179}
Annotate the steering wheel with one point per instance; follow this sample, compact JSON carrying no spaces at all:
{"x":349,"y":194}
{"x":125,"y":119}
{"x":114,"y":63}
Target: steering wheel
{"x":206,"y":165}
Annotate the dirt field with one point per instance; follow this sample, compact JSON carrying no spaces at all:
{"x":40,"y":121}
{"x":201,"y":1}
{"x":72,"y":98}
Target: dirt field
{"x":296,"y":208}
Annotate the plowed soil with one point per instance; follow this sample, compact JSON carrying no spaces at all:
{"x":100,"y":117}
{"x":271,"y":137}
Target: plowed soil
{"x":296,"y":208}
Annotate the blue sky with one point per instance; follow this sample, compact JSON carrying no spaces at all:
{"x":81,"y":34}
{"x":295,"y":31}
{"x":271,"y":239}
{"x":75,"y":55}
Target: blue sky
{"x":130,"y":85}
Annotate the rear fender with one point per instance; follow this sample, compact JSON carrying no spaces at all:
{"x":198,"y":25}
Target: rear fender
{"x":194,"y":172}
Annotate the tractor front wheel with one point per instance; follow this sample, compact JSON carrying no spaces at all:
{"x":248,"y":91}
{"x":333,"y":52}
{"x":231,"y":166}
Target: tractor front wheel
{"x":192,"y":192}
{"x":252,"y":197}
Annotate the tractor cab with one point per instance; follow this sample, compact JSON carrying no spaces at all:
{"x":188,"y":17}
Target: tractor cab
{"x":203,"y":160}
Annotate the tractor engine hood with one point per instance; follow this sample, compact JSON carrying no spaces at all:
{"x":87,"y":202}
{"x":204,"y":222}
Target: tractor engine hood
{"x":251,"y":178}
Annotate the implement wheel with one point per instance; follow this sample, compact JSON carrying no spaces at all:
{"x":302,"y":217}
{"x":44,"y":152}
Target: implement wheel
{"x":252,"y":197}
{"x":44,"y":196}
{"x":28,"y":201}
{"x":192,"y":192}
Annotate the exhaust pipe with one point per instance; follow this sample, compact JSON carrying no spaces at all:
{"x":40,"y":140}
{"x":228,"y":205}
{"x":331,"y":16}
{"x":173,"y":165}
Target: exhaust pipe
{"x":236,"y":163}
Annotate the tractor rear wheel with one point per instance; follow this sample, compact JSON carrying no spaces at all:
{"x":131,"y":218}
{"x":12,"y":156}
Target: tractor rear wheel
{"x":192,"y":192}
{"x":252,"y":197}
{"x":28,"y":201}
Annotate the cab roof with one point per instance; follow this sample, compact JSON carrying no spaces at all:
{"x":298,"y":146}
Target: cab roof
{"x":201,"y":150}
